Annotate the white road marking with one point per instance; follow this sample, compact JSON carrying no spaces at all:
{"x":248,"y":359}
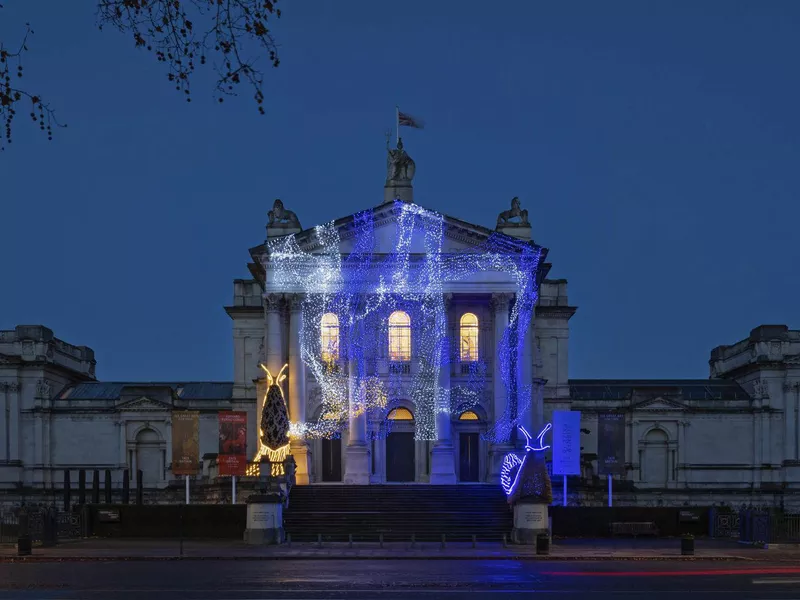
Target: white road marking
{"x":778,"y":581}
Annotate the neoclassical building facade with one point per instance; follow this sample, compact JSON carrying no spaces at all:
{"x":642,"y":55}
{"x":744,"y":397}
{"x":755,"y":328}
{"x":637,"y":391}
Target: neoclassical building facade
{"x":414,"y":344}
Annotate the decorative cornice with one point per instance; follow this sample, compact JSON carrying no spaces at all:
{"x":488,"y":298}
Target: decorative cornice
{"x":555,"y":312}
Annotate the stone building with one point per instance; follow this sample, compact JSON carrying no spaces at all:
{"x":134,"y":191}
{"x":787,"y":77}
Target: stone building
{"x":414,"y":344}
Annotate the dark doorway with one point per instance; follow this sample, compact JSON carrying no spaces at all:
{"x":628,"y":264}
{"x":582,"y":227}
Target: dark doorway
{"x":468,"y":454}
{"x":332,"y":459}
{"x":400,"y":456}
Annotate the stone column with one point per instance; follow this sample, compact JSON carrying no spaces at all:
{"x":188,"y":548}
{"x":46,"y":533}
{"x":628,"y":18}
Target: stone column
{"x":356,"y":467}
{"x":499,"y":305}
{"x":273,"y":339}
{"x":273,"y":353}
{"x":534,"y":415}
{"x":297,"y":389}
{"x":443,"y":470}
{"x":13,"y":400}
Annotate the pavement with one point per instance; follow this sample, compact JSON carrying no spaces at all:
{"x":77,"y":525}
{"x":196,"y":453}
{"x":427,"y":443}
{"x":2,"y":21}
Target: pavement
{"x":563,"y":550}
{"x":421,"y":579}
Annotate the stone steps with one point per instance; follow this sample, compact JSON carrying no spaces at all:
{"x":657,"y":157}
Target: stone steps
{"x":397,"y":512}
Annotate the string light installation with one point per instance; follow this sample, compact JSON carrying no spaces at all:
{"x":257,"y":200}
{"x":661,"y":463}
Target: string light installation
{"x":364,"y":285}
{"x":274,"y":427}
{"x":513,"y":468}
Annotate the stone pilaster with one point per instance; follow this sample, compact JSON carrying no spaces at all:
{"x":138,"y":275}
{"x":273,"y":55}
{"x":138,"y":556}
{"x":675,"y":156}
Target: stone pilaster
{"x":442,"y":455}
{"x":297,"y":389}
{"x":498,"y":449}
{"x":356,"y":468}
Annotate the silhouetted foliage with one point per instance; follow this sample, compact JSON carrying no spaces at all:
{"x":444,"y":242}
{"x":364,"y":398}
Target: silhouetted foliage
{"x":182,"y":34}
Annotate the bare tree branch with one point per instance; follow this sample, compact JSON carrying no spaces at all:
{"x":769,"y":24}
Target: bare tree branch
{"x":13,"y":97}
{"x":182,"y":34}
{"x":185,"y":33}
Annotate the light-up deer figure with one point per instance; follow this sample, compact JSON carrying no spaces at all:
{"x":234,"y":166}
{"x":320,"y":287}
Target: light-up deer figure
{"x":274,"y":426}
{"x":510,"y":479}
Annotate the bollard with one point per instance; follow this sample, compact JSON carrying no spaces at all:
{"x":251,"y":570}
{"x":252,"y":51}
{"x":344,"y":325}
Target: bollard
{"x":444,"y":541}
{"x":474,"y":541}
{"x":289,"y":540}
{"x":319,"y":540}
{"x":350,"y":539}
{"x":413,"y":541}
{"x":505,"y":541}
{"x":23,"y":533}
{"x":380,"y":540}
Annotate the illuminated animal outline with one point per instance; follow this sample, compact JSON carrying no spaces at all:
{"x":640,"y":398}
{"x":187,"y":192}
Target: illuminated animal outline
{"x":512,"y":461}
{"x":276,"y":456}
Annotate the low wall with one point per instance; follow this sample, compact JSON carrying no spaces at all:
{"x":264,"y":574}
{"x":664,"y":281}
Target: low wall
{"x":222,"y":521}
{"x":595,"y":521}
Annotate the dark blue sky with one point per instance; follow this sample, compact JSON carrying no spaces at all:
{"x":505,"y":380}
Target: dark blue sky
{"x":655,"y":146}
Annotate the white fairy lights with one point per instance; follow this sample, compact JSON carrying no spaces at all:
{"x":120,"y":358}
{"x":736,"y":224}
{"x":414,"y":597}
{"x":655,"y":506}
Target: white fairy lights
{"x":364,"y":286}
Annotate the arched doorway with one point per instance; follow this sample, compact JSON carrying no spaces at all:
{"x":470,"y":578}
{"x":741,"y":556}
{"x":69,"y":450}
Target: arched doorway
{"x":400,"y":454}
{"x":148,"y":457}
{"x":469,"y":447}
{"x":656,"y":457}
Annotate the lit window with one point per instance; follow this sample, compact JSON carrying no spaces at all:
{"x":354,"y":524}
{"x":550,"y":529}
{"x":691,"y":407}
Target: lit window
{"x":329,"y":337}
{"x":468,"y":416}
{"x":400,"y":414}
{"x":469,"y":338}
{"x":399,"y":337}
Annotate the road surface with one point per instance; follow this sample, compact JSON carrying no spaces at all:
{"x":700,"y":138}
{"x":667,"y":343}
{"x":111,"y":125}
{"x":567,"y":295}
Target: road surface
{"x":401,"y":579}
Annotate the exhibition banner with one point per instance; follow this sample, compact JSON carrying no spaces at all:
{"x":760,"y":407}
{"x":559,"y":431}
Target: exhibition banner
{"x":185,"y":442}
{"x":232,"y":458}
{"x":611,"y":444}
{"x":566,"y":442}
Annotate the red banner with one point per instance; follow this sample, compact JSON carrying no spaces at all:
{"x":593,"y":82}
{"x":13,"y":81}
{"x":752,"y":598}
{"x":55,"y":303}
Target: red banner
{"x":232,"y":458}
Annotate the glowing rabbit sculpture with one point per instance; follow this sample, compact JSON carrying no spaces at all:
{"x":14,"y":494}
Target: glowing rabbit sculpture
{"x":527,"y":477}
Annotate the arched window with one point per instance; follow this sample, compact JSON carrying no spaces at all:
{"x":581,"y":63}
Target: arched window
{"x":469,"y":416}
{"x":400,"y":414}
{"x":469,"y":338}
{"x":329,"y":337}
{"x":399,"y":337}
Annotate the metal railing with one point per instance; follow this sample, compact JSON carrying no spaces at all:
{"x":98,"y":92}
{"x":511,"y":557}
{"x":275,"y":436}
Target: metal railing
{"x":769,"y":527}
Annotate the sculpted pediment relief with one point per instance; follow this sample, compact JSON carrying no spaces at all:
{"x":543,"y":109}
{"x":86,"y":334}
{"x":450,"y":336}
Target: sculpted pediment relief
{"x":143,"y":404}
{"x":660,"y":404}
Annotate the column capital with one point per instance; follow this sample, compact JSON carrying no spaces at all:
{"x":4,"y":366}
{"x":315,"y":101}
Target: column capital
{"x":447,"y":299}
{"x":500,"y":302}
{"x":295,"y":302}
{"x":273,"y":302}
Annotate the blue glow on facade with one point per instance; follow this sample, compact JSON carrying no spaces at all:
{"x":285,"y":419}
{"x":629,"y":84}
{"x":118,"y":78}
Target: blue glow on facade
{"x":363,"y":287}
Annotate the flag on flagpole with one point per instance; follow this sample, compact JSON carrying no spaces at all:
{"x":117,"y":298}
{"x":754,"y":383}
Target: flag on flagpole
{"x":406,"y":120}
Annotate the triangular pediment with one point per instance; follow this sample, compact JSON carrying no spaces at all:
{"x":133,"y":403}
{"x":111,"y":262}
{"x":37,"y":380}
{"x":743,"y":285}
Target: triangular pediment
{"x":458,"y":235}
{"x":142,"y":404}
{"x":660,"y":404}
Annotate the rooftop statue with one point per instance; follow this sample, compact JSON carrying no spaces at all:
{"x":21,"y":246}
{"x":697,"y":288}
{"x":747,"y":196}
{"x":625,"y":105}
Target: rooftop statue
{"x":504,"y":218}
{"x":281,"y":217}
{"x":399,"y":165}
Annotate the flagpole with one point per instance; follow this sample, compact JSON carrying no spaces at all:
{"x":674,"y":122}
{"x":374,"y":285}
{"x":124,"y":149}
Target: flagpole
{"x":397,"y":115}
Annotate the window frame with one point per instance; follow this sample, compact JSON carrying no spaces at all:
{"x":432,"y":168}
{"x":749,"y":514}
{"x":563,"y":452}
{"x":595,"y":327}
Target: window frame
{"x":469,"y":332}
{"x":399,"y":337}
